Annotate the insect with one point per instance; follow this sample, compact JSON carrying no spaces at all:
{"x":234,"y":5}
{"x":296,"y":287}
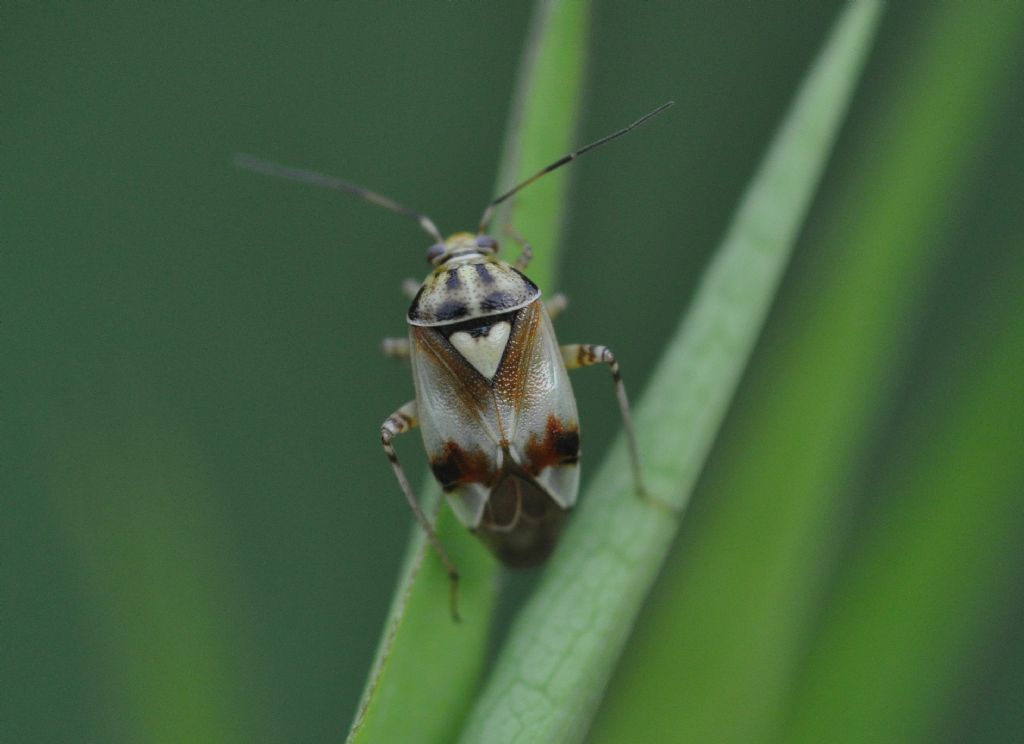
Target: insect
{"x":493,"y":399}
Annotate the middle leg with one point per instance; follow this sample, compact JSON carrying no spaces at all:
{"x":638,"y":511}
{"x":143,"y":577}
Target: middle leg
{"x":399,"y":422}
{"x":586,"y":355}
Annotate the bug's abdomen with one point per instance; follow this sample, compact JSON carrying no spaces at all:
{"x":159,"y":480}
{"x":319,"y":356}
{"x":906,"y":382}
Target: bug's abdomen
{"x":521,"y":523}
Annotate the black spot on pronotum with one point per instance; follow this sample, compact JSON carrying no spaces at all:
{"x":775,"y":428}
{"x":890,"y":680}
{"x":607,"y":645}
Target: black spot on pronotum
{"x":497,"y":301}
{"x":451,"y":310}
{"x":525,"y":278}
{"x":414,"y":307}
{"x":452,"y":280}
{"x":484,"y":273}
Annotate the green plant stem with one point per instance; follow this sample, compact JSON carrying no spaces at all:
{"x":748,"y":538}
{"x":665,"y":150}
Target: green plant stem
{"x":552,"y":671}
{"x":427,"y":667}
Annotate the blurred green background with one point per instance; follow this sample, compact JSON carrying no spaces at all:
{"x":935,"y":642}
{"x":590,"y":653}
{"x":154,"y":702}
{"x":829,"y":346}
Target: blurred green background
{"x":199,"y":531}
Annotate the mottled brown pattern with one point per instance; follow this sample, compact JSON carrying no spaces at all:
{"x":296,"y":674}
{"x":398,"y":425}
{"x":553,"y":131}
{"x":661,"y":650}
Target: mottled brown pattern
{"x":457,"y":466}
{"x":585,"y":355}
{"x":560,"y":445}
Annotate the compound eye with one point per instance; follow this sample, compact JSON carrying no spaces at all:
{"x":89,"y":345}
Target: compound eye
{"x":486,"y":243}
{"x":435,"y":252}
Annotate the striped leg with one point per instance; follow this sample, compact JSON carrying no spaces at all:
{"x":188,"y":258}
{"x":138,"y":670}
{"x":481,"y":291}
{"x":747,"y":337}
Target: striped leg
{"x":396,"y":348}
{"x":586,"y":355}
{"x":397,"y":423}
{"x":556,"y":305}
{"x":410,"y":288}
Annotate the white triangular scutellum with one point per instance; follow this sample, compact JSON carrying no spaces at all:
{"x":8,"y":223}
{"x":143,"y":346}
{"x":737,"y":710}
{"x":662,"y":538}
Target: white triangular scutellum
{"x":483,"y":352}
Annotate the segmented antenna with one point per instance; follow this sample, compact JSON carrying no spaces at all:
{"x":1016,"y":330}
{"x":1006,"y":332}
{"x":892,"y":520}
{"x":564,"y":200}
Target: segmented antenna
{"x":485,"y":219}
{"x":248,"y":162}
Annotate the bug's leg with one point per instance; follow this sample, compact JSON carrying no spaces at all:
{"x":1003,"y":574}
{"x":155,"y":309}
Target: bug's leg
{"x":523,"y":260}
{"x":585,"y":355}
{"x":556,"y":305}
{"x":396,"y":348}
{"x":399,"y":422}
{"x":559,"y":301}
{"x":410,"y":288}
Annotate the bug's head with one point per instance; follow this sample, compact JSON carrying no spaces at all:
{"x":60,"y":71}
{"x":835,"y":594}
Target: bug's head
{"x":461,"y":244}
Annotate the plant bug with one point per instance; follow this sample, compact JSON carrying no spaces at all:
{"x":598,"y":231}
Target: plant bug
{"x":493,"y":399}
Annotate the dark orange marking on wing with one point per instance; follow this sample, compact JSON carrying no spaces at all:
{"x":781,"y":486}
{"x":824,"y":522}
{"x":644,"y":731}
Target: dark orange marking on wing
{"x":560,"y":445}
{"x":457,"y":466}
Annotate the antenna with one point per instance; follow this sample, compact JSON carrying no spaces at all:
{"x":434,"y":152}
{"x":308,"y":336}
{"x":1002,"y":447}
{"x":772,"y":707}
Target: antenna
{"x":485,"y":219}
{"x":248,"y":162}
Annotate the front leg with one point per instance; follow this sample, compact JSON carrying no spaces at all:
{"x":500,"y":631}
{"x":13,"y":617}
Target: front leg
{"x":411,"y":287}
{"x":556,"y":305}
{"x":586,"y":355}
{"x":398,"y":348}
{"x":399,"y":422}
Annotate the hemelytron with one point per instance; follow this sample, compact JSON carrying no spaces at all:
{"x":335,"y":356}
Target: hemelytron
{"x":493,"y":398}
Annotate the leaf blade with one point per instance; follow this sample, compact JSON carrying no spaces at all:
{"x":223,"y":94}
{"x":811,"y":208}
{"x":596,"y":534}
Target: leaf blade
{"x":777,"y":490}
{"x":553,"y":669}
{"x":403,"y":700}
